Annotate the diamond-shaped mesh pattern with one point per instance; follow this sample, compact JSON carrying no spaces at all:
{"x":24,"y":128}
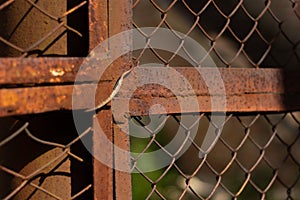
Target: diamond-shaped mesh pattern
{"x":257,"y":154}
{"x":233,"y":33}
{"x":42,"y":28}
{"x":42,"y":157}
{"x":256,"y":157}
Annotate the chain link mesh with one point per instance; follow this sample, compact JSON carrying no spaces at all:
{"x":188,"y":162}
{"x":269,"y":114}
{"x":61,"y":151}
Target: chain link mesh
{"x":256,"y":157}
{"x":41,"y":155}
{"x":42,"y":28}
{"x":42,"y":158}
{"x":234,"y":33}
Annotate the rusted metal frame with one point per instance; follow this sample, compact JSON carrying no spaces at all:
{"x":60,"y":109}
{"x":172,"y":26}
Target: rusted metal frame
{"x":238,"y":103}
{"x":30,"y":100}
{"x":247,"y":90}
{"x":123,"y":188}
{"x":120,"y":19}
{"x":14,"y":71}
{"x":108,"y":18}
{"x":18,"y":71}
{"x":103,"y":181}
{"x":271,"y":83}
{"x":103,"y":174}
{"x":38,"y":70}
{"x":20,"y":101}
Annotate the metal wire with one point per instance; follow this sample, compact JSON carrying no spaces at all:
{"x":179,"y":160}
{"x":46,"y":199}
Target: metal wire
{"x":19,"y":17}
{"x":52,"y":160}
{"x":256,"y":157}
{"x":234,"y":34}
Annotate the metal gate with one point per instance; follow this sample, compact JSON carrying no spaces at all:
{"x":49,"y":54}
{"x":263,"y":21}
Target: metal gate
{"x":202,"y":105}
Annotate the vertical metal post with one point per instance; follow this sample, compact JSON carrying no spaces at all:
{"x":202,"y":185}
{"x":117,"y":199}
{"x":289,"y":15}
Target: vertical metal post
{"x":108,"y":18}
{"x":121,"y":20}
{"x":103,"y":175}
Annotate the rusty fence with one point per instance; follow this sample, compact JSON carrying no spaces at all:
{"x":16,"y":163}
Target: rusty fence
{"x":253,"y":152}
{"x":261,"y":161}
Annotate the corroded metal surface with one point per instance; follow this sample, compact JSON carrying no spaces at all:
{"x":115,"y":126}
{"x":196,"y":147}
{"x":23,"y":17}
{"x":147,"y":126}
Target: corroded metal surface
{"x":239,"y":103}
{"x":55,"y":71}
{"x":36,"y":28}
{"x":98,"y":22}
{"x":123,"y":185}
{"x":254,"y":90}
{"x":49,"y":98}
{"x":120,"y":17}
{"x":38,"y":70}
{"x":46,"y":84}
{"x":103,"y":175}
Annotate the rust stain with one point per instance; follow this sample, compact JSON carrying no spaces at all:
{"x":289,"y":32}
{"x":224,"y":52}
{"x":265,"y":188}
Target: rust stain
{"x":103,"y":175}
{"x":266,"y":94}
{"x":57,"y":72}
{"x":60,"y":99}
{"x":36,"y":70}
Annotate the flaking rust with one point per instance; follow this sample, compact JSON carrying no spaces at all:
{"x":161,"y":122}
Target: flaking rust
{"x":266,"y":94}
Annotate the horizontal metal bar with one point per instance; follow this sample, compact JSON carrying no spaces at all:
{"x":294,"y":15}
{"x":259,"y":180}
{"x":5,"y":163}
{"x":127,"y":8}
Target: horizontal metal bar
{"x":246,"y":90}
{"x":15,"y":71}
{"x":235,"y":103}
{"x":62,"y":70}
{"x":18,"y":101}
{"x":38,"y":70}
